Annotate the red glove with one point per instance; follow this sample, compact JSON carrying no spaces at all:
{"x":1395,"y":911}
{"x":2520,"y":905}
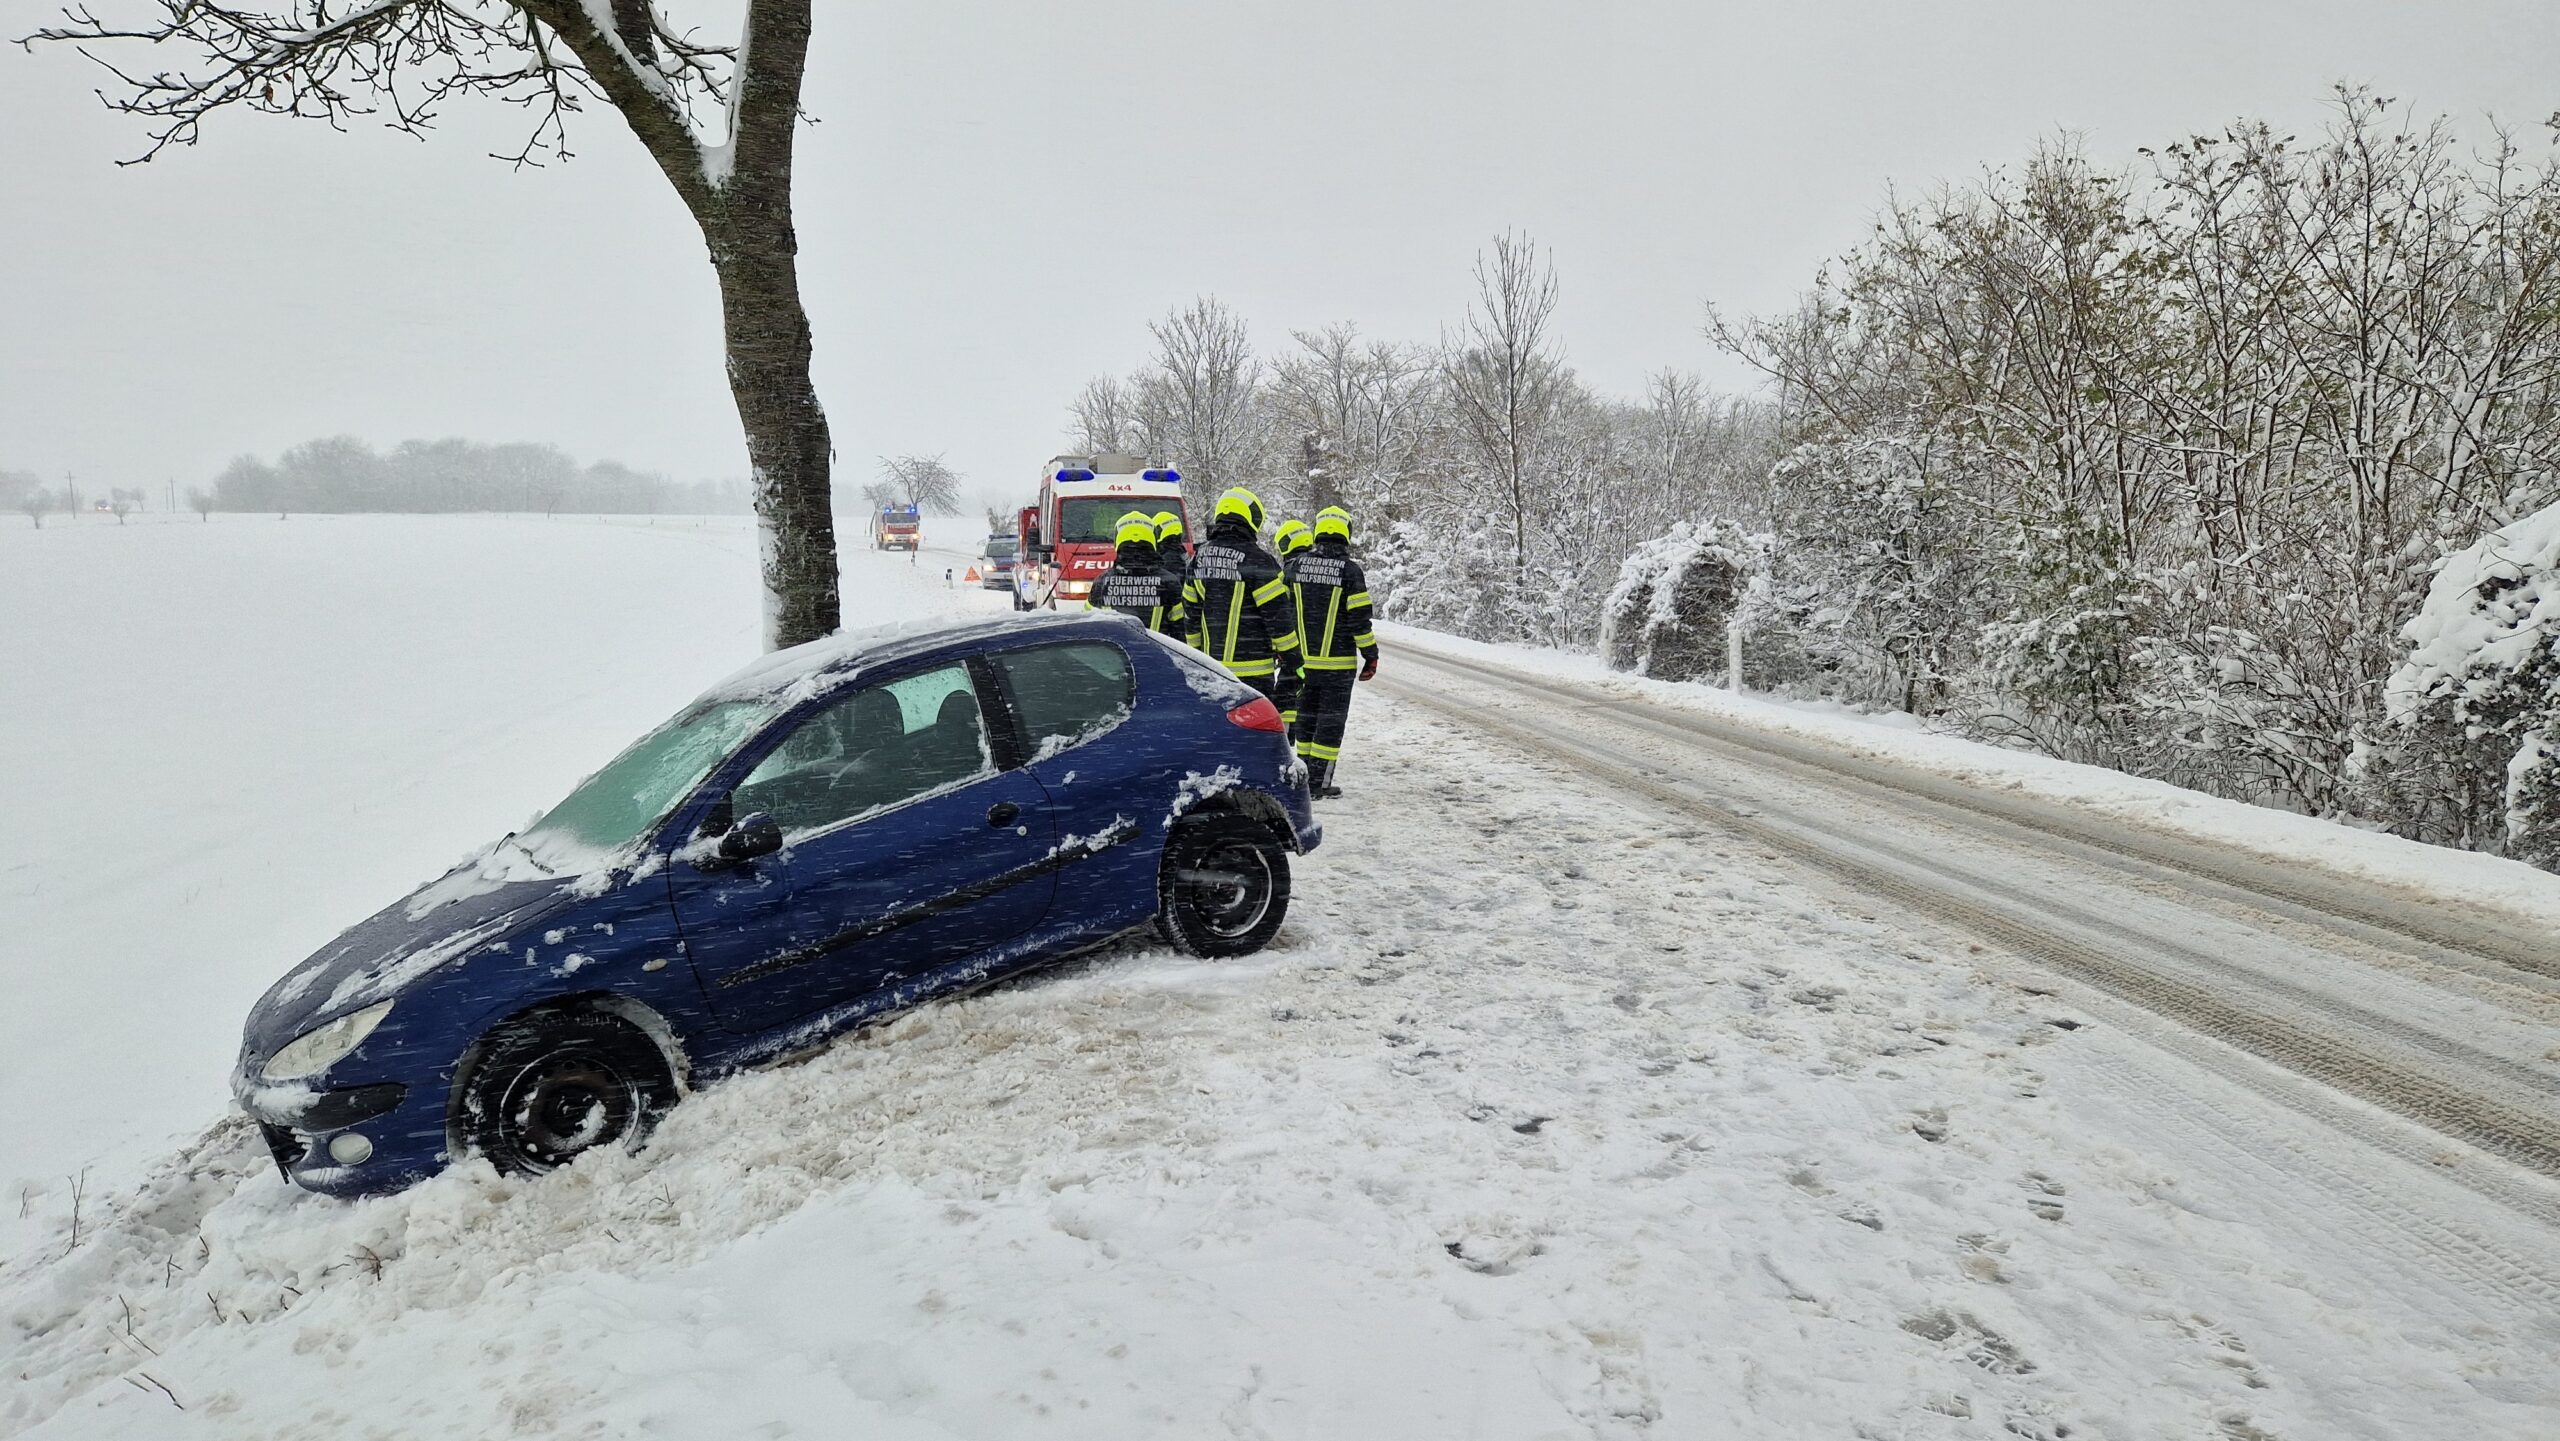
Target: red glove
{"x":1369,"y":668}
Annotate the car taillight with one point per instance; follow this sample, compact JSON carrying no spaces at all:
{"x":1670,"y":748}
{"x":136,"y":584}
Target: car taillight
{"x":1258,"y":714}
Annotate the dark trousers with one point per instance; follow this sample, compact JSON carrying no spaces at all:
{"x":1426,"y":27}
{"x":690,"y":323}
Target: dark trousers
{"x":1324,"y":713}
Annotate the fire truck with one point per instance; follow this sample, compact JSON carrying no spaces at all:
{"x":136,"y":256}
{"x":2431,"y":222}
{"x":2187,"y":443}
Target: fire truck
{"x":897,"y":527}
{"x":1068,"y":534}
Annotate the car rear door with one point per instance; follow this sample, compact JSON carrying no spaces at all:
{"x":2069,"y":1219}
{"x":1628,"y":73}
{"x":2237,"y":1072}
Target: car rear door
{"x":1073,"y":704}
{"x":906,"y":848}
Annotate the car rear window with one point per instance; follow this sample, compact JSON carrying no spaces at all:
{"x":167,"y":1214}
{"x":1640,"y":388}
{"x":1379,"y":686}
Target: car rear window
{"x":1064,"y":695}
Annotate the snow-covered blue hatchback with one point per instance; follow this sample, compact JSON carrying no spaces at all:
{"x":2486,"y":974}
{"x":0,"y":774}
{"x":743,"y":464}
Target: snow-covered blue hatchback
{"x":841,"y":830}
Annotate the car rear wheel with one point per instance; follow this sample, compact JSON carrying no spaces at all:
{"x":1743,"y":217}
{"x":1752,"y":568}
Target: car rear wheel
{"x":548,"y":1088}
{"x":1224,"y":888}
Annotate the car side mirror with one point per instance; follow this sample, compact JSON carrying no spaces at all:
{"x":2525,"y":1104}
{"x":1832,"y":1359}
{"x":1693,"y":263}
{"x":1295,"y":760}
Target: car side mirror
{"x":757,"y":835}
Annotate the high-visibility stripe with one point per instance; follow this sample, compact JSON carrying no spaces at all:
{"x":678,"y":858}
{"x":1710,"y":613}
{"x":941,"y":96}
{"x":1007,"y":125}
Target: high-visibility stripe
{"x":1235,"y":617}
{"x":1311,"y":751}
{"x":1251,"y":667}
{"x":1269,"y":593}
{"x":1286,"y":642}
{"x":1332,"y":613}
{"x":1362,"y":598}
{"x":1331,"y":662}
{"x":1366,"y":640}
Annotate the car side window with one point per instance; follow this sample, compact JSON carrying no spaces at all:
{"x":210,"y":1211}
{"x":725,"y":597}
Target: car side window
{"x":1064,"y":695}
{"x":880,"y":746}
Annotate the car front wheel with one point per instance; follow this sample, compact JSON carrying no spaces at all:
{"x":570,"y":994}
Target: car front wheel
{"x":1224,"y":889}
{"x":548,"y":1088}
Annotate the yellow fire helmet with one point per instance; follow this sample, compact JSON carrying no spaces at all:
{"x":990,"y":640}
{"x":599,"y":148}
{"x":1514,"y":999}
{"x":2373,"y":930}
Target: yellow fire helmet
{"x":1240,"y":501}
{"x":1135,"y":526}
{"x":1168,"y":526}
{"x":1292,"y":536}
{"x":1334,"y":520}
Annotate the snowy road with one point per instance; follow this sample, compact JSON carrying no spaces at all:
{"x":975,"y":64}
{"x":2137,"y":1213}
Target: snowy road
{"x":2446,"y":1016}
{"x":1573,"y":1102}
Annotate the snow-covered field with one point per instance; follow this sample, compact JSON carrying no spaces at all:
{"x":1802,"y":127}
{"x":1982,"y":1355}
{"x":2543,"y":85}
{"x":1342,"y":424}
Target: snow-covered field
{"x":1547,"y":1117}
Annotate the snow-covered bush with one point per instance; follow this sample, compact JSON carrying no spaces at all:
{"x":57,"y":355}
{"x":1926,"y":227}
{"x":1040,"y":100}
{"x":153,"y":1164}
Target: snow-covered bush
{"x":1676,"y":594}
{"x":2484,"y":669}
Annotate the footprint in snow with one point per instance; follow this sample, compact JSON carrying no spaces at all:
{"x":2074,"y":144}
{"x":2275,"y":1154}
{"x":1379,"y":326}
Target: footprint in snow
{"x":1493,"y":1255}
{"x":1930,"y":1125}
{"x":1963,"y":1332}
{"x":2044,"y":1195}
{"x":2223,"y":1348}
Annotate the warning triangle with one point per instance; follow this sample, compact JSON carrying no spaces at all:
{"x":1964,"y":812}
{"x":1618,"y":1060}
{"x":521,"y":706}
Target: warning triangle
{"x":972,"y":575}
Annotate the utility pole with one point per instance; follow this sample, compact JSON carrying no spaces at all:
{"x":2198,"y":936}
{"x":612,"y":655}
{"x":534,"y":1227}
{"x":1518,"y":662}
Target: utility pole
{"x":71,"y":492}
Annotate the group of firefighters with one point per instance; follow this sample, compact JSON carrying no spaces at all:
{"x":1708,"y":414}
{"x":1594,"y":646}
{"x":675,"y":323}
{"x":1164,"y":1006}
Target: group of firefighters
{"x":1293,"y":625}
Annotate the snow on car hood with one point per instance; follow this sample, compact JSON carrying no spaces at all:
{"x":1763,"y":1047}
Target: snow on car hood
{"x":399,"y":944}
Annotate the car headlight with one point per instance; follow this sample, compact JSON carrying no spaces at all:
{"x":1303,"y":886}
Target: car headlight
{"x":315,"y":1051}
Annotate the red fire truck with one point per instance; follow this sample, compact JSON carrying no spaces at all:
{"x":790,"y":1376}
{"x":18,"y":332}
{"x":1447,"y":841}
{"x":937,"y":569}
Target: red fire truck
{"x":897,"y":527}
{"x":1068,"y":534}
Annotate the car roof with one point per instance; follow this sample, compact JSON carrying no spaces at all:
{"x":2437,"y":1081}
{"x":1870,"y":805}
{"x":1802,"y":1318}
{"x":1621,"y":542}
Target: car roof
{"x":794,"y":674}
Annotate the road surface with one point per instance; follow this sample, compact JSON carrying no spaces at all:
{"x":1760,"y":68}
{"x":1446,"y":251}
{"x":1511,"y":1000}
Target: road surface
{"x":2407,"y":1025}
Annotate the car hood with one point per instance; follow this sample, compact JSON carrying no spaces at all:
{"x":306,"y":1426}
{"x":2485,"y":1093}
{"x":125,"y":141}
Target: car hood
{"x":433,"y":926}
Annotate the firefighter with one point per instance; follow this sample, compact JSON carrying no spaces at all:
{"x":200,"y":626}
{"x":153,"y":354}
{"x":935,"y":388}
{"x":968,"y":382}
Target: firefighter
{"x":1137,"y":583}
{"x":1337,"y":643}
{"x":1169,"y":552}
{"x":1287,"y":539}
{"x":1239,"y":602}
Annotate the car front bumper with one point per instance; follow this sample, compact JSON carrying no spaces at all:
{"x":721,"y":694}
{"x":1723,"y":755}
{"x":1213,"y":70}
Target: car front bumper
{"x":394,"y":1131}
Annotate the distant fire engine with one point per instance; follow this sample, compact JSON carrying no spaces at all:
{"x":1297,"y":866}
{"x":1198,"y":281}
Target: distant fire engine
{"x":897,"y":527}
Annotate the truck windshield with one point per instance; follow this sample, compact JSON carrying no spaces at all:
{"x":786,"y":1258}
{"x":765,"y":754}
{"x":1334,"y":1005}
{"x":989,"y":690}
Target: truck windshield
{"x":1096,"y":518}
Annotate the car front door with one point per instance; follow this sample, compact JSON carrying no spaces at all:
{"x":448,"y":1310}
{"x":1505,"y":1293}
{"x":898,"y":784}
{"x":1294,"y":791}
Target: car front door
{"x":906,"y":848}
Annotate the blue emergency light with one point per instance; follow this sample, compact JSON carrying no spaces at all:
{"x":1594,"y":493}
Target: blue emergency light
{"x":1168,"y":475}
{"x":1075,"y":475}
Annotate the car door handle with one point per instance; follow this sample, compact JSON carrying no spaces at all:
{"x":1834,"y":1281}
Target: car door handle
{"x":1003,"y":813}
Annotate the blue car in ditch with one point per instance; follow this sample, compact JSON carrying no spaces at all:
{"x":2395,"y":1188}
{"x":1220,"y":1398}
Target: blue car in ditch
{"x":841,"y":830}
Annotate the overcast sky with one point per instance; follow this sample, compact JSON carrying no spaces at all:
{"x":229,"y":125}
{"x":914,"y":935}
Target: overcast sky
{"x":1000,"y":193}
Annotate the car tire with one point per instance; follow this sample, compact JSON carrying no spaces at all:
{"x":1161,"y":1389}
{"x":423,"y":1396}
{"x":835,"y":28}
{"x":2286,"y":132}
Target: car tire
{"x":548,"y":1088}
{"x":1223,"y":889}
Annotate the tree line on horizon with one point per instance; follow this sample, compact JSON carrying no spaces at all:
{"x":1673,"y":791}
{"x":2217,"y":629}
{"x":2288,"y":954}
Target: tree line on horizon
{"x":344,"y":475}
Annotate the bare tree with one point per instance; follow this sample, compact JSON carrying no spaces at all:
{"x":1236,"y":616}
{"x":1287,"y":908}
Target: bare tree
{"x":35,"y":503}
{"x":1351,"y":406}
{"x":201,"y":502}
{"x":718,"y":120}
{"x":122,"y":502}
{"x":1203,"y":385}
{"x":922,"y":481}
{"x":1505,"y":377}
{"x":1105,"y":417}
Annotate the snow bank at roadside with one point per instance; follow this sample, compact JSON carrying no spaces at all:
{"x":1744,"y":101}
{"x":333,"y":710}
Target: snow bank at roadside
{"x":2403,"y":865}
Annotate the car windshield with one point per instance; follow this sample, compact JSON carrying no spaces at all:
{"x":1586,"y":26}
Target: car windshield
{"x":1000,"y":549}
{"x":1096,"y":517}
{"x":617,"y":804}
